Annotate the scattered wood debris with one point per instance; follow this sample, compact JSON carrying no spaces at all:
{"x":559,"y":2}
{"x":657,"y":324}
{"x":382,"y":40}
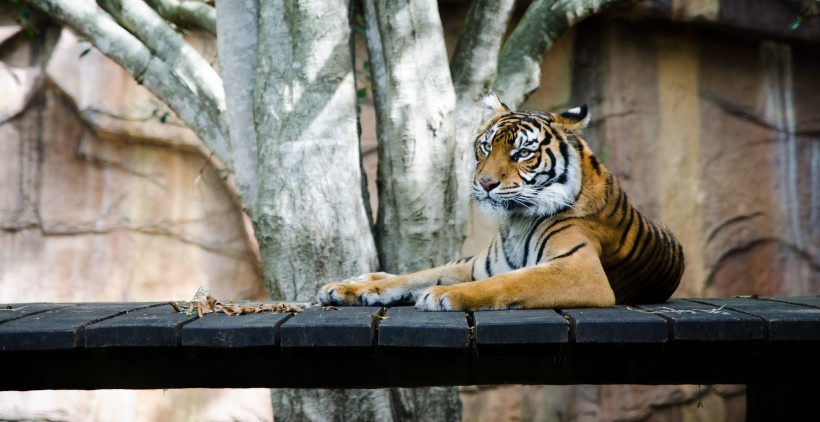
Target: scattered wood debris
{"x":330,"y":308}
{"x":204,"y":303}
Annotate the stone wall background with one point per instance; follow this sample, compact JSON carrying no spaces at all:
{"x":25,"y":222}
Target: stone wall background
{"x":707,"y":111}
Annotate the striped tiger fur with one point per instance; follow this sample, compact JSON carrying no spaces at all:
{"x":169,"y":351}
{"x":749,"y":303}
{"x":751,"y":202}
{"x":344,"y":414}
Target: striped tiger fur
{"x":568,"y":235}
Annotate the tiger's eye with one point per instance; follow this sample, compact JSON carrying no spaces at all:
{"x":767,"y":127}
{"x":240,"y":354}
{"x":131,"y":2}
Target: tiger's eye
{"x":523,"y":154}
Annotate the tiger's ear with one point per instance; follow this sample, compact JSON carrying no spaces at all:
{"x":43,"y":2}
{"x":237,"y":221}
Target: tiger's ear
{"x":493,"y":106}
{"x":574,"y":119}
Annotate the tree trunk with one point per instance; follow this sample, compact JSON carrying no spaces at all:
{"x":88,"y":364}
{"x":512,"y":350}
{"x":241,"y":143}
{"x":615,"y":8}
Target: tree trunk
{"x":310,"y":218}
{"x":415,"y":101}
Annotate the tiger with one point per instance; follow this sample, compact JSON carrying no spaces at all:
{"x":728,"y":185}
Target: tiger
{"x":568,"y":235}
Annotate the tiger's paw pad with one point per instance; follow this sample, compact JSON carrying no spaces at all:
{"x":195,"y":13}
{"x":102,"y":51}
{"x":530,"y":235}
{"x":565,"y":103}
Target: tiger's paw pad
{"x":435,"y":298}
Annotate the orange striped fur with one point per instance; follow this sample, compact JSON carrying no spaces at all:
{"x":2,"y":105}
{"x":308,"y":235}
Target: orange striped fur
{"x":568,"y":235}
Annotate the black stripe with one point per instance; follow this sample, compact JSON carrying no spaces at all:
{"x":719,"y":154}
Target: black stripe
{"x":639,"y":266}
{"x":464,"y":259}
{"x":617,"y":203}
{"x":564,"y":149}
{"x":570,"y":252}
{"x":563,"y":177}
{"x":624,"y":234}
{"x":550,"y":134}
{"x":529,"y":238}
{"x":669,"y":253}
{"x":596,"y":165}
{"x":638,"y":238}
{"x":546,"y":239}
{"x":506,"y":256}
{"x":624,"y":208}
{"x":608,"y":190}
{"x":472,"y":270}
{"x":551,"y":172}
{"x":487,"y":263}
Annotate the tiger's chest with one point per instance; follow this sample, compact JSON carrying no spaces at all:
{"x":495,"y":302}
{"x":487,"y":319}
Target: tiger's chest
{"x":515,"y":246}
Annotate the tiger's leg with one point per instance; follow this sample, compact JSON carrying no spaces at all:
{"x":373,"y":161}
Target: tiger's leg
{"x":386,"y":289}
{"x":571,"y":281}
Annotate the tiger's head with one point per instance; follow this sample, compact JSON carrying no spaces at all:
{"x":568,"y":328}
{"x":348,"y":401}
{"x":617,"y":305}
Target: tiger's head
{"x":527,"y":162}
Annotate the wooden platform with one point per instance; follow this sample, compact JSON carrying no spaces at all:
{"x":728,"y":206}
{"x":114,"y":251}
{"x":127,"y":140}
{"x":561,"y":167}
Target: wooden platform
{"x":767,"y":341}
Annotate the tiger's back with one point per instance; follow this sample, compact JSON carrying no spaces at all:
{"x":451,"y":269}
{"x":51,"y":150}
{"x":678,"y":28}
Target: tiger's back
{"x":645,"y":263}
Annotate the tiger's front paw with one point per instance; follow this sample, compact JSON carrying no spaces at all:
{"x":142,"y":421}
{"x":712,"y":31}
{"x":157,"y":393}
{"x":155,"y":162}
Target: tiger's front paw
{"x":366,"y":289}
{"x":340,"y":293}
{"x":436,"y":298}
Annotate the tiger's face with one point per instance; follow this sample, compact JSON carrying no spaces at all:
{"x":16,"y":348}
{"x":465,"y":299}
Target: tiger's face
{"x":526,"y":162}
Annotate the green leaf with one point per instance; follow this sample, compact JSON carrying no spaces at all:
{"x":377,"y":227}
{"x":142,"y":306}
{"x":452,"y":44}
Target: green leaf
{"x":164,"y":117}
{"x":361,"y":93}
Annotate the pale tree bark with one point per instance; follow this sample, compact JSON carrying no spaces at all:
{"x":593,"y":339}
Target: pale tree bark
{"x":236,"y":46}
{"x":519,"y":63}
{"x":189,"y":66}
{"x":415,"y":101}
{"x":473,"y":72}
{"x":160,"y":77}
{"x":310,"y":216}
{"x":188,"y":14}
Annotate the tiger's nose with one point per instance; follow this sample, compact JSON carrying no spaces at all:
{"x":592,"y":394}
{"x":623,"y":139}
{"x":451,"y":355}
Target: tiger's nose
{"x":487,"y":183}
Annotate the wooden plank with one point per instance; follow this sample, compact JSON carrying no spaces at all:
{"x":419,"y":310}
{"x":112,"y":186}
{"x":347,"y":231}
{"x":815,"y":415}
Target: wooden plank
{"x":531,"y":326}
{"x":223,"y":331}
{"x":783,"y":321}
{"x":406,"y":326}
{"x":692,"y":321}
{"x":347,"y":326}
{"x":59,"y":328}
{"x":813,"y":301}
{"x":12,"y":311}
{"x":615,"y":326}
{"x":158,"y":325}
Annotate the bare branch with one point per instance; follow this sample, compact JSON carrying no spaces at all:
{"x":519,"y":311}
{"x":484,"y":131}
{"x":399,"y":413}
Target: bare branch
{"x":187,"y":13}
{"x":165,"y":43}
{"x":160,"y":77}
{"x":519,"y":64}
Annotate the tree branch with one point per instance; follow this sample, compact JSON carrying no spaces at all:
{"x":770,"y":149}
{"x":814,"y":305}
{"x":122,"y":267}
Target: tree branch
{"x":165,"y":80}
{"x":187,"y":13}
{"x":236,"y":43}
{"x":519,"y":63}
{"x":168,"y":45}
